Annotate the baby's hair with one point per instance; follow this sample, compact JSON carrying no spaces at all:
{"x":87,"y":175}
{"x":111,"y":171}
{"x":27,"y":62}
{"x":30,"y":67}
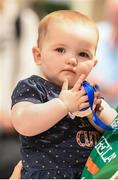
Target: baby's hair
{"x":63,"y":16}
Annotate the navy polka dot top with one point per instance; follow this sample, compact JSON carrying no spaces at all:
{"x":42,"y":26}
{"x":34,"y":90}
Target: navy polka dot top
{"x":61,"y":151}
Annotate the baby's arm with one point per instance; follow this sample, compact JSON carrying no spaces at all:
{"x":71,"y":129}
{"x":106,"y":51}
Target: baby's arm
{"x":31,"y":119}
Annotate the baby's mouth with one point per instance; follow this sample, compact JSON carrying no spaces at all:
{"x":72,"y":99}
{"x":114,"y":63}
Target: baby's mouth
{"x":70,"y":70}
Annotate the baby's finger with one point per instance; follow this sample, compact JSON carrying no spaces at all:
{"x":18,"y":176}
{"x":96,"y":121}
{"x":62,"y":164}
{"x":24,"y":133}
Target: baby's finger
{"x":97,"y":94}
{"x":97,"y":101}
{"x":65,"y":85}
{"x":83,"y":99}
{"x":98,"y":109}
{"x":79,"y":82}
{"x":84,"y":105}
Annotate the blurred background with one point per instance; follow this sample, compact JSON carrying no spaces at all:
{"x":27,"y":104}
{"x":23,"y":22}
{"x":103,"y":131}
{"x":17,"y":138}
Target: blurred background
{"x":19,"y":20}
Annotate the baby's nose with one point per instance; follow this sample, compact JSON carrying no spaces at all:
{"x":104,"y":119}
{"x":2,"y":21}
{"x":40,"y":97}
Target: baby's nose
{"x":72,"y":61}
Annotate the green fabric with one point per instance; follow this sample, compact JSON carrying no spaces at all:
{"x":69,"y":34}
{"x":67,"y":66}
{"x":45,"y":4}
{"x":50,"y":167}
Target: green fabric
{"x":108,"y":170}
{"x":103,"y":160}
{"x":116,"y":108}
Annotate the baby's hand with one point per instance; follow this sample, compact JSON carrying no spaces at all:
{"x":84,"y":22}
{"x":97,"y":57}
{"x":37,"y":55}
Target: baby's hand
{"x":74,"y":99}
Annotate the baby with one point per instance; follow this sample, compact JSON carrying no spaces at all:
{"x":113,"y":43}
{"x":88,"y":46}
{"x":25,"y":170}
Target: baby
{"x":52,"y":144}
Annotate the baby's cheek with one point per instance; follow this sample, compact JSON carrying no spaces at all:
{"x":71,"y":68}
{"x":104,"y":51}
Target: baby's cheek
{"x":86,"y":67}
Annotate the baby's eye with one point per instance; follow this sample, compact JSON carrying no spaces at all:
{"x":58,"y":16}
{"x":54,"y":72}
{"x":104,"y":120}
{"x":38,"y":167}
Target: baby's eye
{"x":60,"y":50}
{"x":84,"y":54}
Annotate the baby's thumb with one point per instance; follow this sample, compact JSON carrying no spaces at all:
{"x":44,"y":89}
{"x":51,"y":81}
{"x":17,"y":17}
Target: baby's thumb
{"x":65,"y":84}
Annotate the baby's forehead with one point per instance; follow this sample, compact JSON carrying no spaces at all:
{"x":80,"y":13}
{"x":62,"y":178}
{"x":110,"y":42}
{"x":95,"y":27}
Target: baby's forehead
{"x":55,"y":25}
{"x":70,"y":23}
{"x":65,"y":18}
{"x":70,"y":26}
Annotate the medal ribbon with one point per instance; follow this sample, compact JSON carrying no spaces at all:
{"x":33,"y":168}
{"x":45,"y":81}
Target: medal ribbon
{"x":90,"y":93}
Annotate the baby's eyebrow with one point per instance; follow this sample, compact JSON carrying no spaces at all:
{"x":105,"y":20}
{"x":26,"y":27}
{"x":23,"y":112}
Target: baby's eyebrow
{"x":61,"y":44}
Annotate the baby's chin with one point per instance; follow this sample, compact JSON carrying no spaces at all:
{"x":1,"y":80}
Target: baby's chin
{"x":71,"y":83}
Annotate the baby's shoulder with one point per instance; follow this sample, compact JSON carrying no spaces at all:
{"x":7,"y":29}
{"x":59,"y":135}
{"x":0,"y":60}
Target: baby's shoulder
{"x":32,"y":81}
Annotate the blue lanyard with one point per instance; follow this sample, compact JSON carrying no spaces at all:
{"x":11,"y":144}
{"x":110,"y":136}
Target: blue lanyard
{"x":90,"y":92}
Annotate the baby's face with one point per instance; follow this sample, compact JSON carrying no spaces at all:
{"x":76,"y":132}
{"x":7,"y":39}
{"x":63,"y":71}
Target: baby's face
{"x":66,"y":52}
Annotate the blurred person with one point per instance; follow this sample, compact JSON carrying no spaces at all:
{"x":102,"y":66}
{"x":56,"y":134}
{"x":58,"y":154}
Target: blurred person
{"x":16,"y":36}
{"x":7,"y":53}
{"x":29,"y":21}
{"x":9,"y":146}
{"x":106,"y":71}
{"x":17,"y":25}
{"x":102,"y":162}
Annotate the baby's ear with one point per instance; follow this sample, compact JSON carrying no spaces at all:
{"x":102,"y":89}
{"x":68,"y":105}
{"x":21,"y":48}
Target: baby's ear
{"x":95,"y":62}
{"x":37,"y":55}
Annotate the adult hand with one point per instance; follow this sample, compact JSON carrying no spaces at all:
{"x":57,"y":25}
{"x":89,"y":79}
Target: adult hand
{"x":17,"y":171}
